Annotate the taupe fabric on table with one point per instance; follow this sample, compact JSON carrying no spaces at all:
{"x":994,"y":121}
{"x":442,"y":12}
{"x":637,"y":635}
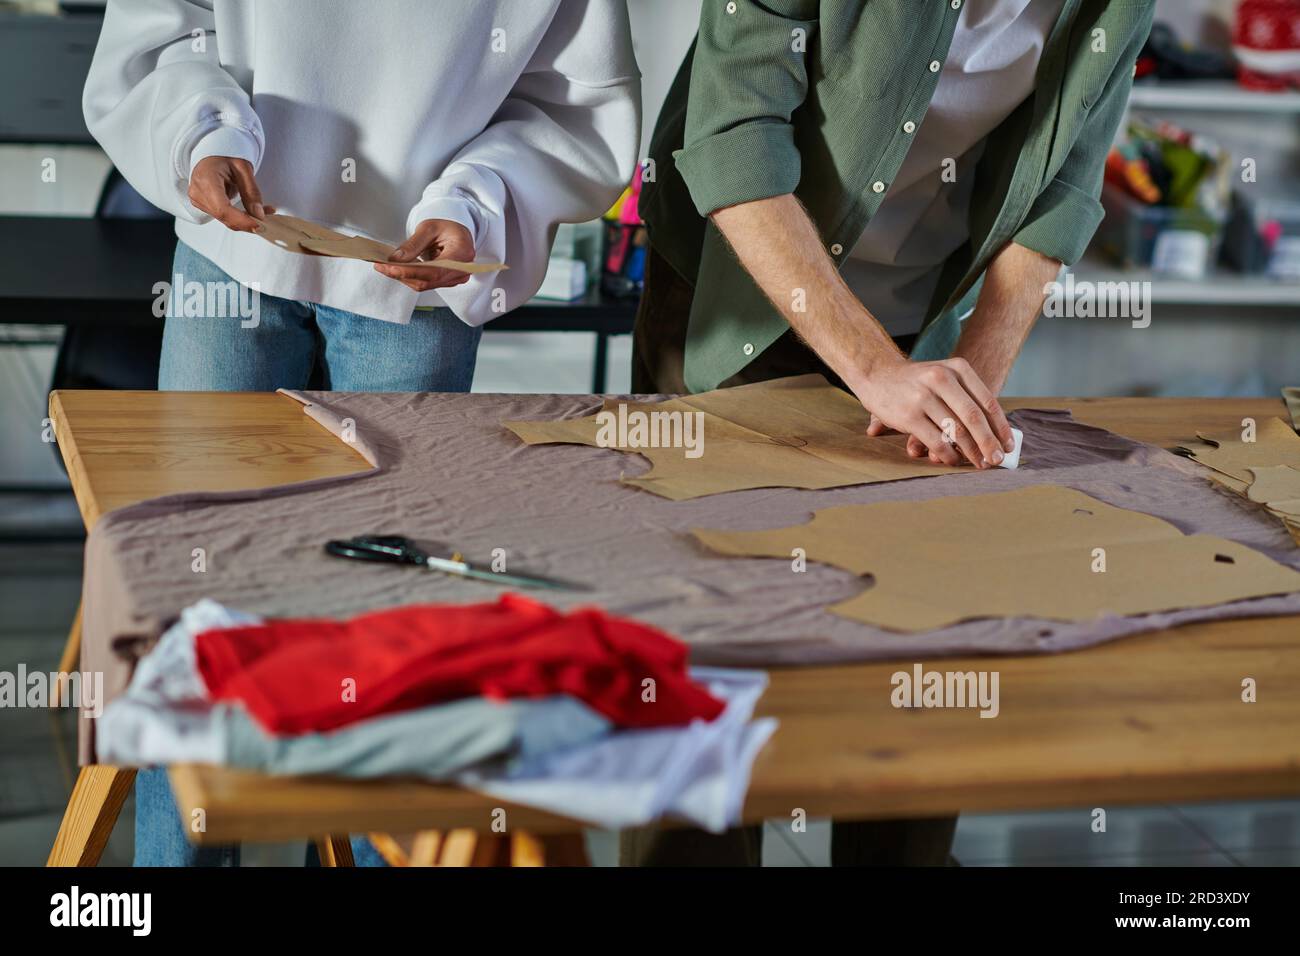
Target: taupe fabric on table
{"x":446,"y":470}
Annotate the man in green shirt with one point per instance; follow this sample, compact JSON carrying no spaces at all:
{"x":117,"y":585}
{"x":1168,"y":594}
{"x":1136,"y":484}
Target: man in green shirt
{"x":878,"y":190}
{"x":835,"y":183}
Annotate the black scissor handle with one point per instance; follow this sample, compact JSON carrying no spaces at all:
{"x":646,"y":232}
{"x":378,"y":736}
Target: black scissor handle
{"x":392,"y":548}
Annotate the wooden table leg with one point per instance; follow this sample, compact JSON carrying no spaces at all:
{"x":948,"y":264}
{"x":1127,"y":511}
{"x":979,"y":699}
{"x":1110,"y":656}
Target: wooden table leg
{"x":425,"y":848}
{"x":465,"y":847}
{"x":470,"y":848}
{"x":556,"y":849}
{"x":334,"y":851}
{"x":96,"y":800}
{"x":71,"y":659}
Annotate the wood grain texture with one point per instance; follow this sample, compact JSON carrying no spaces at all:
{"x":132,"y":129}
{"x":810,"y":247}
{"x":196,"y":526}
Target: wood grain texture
{"x":92,"y":810}
{"x":70,"y":658}
{"x":334,"y":851}
{"x":251,"y":806}
{"x":124,"y":447}
{"x":1151,"y":718}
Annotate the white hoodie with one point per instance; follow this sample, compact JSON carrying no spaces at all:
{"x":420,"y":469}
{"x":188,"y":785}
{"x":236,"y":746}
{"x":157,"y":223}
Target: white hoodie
{"x":507,"y":116}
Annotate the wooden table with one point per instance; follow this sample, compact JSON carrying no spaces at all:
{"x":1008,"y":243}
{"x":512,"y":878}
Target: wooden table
{"x":1152,"y":718}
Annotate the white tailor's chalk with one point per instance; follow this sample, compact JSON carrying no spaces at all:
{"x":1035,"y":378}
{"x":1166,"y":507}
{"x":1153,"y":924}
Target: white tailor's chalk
{"x":1012,"y":459}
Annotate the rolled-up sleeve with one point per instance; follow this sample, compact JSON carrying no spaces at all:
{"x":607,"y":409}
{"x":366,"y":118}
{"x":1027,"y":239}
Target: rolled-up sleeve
{"x":748,"y":77}
{"x":1063,"y":218}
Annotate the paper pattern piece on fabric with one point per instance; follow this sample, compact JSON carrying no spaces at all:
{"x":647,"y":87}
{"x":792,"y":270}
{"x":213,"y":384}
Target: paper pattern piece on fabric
{"x":798,"y":432}
{"x":309,"y":238}
{"x":1031,"y":552}
{"x":1273,"y":458}
{"x":1230,"y":454}
{"x":1277,"y":486}
{"x":1291,"y":395}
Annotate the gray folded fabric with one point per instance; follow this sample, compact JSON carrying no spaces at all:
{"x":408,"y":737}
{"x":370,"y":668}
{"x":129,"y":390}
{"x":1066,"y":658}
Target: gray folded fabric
{"x":431,"y":742}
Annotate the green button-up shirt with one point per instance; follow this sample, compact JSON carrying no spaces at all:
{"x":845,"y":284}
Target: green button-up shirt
{"x":812,"y":97}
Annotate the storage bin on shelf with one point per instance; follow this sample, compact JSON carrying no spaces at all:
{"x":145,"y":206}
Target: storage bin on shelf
{"x":1175,"y":241}
{"x":1262,"y":236}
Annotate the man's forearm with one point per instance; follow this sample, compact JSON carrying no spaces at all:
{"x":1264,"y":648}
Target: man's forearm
{"x":779,"y":246}
{"x":942,"y":405}
{"x":1009,"y":304}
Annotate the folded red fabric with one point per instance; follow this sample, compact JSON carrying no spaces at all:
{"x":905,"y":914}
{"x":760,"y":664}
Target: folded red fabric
{"x":296,"y":676}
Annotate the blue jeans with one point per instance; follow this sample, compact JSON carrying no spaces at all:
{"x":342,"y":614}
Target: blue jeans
{"x":278,"y":346}
{"x":281,"y":342}
{"x":160,"y":838}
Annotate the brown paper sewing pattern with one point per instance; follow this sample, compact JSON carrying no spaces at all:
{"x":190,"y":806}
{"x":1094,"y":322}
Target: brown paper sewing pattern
{"x":798,"y":432}
{"x":1266,"y":470}
{"x":1291,"y":395}
{"x":309,"y":238}
{"x":1033,"y":552}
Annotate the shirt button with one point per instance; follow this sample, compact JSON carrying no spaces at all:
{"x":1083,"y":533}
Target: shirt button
{"x":877,"y":187}
{"x":934,"y":66}
{"x":909,"y":127}
{"x":956,"y":4}
{"x":749,"y":348}
{"x":836,"y":249}
{"x":731,"y":8}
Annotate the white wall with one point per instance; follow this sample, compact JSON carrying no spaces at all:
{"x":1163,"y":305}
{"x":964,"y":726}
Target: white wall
{"x":1200,"y":22}
{"x":662,"y":32}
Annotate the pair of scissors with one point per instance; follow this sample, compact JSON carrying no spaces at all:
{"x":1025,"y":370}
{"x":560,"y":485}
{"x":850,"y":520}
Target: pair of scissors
{"x":397,"y":549}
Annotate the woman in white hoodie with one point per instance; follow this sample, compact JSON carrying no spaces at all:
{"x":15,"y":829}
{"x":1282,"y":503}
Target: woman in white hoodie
{"x":470,"y":127}
{"x":459,"y":128}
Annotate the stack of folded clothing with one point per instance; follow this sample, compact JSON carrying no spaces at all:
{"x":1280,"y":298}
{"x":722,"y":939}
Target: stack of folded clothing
{"x":554,"y":707}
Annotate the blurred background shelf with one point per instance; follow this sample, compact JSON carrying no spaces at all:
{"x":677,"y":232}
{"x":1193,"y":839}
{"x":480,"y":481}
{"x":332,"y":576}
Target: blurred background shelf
{"x":1223,"y":95}
{"x":1220,"y":288}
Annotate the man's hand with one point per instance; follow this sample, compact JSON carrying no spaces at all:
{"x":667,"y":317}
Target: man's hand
{"x":216,"y":181}
{"x":1009,"y":303}
{"x":432,"y":239}
{"x":915,"y":447}
{"x":941,"y":406}
{"x":780,"y":247}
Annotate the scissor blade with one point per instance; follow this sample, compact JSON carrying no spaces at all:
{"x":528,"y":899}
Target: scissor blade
{"x":517,"y":580}
{"x":530,"y":581}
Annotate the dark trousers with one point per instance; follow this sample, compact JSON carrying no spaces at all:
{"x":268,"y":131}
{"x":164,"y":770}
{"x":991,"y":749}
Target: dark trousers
{"x":658,"y":350}
{"x":915,"y":842}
